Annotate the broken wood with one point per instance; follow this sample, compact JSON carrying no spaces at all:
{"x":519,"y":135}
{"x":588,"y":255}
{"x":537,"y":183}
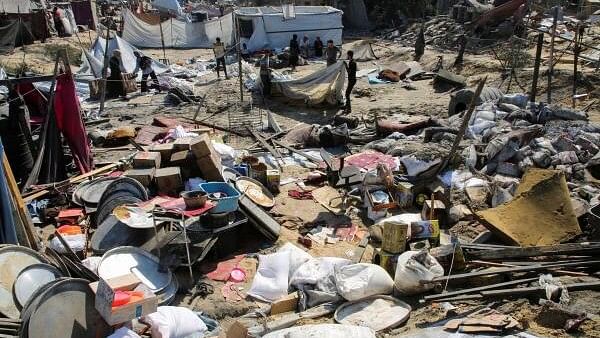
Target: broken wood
{"x":579,"y":249}
{"x":299,"y":152}
{"x":530,"y":268}
{"x":266,"y":145}
{"x":480,"y":288}
{"x":512,"y":264}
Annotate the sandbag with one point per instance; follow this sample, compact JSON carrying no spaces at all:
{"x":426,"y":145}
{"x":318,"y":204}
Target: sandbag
{"x":271,"y":280}
{"x":174,"y":322}
{"x":297,"y":257}
{"x":357,"y":281}
{"x":414,"y":267}
{"x":317,"y":270}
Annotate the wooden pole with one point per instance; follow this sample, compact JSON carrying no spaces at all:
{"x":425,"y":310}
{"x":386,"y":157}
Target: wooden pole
{"x":162,"y":40}
{"x":536,"y":69}
{"x":239,"y":55}
{"x":104,"y":69}
{"x":578,"y":34}
{"x":551,"y":60}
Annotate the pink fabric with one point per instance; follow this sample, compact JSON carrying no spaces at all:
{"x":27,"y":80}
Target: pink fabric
{"x":223,"y":269}
{"x":369,"y":159}
{"x":70,"y":124}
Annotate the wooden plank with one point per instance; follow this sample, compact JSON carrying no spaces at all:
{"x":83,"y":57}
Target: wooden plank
{"x":259,"y":218}
{"x":535,"y":289}
{"x":299,"y":152}
{"x":536,"y":251}
{"x":533,"y":268}
{"x":23,"y":80}
{"x":266,"y":145}
{"x":509,"y":264}
{"x":480,"y":288}
{"x":23,"y":213}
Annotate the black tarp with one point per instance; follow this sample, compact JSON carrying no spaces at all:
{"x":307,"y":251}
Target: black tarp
{"x":14,"y":33}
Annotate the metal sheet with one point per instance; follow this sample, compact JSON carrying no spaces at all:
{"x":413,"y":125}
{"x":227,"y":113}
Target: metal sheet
{"x":114,"y":200}
{"x":376,"y":312}
{"x":128,"y":184}
{"x":127,"y":259}
{"x":13,"y":259}
{"x":94,"y":191}
{"x":32,"y":278}
{"x":112,"y":233}
{"x":80,"y":319}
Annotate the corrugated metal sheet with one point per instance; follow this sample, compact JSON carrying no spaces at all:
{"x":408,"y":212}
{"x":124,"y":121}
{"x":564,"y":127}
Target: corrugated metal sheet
{"x":16,"y":6}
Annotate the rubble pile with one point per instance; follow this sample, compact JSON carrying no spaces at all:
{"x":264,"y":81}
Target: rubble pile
{"x":441,"y":31}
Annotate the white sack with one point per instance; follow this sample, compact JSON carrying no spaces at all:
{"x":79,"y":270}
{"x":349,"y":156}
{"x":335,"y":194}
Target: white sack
{"x":174,"y":322}
{"x":357,"y":281}
{"x":413,"y":267}
{"x":317,"y":269}
{"x":271,"y":280}
{"x":297,"y":257}
{"x":124,"y":333}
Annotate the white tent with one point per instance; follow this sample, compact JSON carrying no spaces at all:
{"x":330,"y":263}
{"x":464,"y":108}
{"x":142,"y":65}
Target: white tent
{"x":265,"y":27}
{"x":177,"y":33}
{"x":169,"y":6}
{"x":94,"y":59}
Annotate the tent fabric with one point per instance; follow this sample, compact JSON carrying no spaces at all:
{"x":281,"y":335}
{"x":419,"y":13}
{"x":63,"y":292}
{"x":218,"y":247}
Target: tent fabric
{"x":69,"y":122}
{"x":16,"y":6}
{"x":362,"y":51}
{"x":93,"y":60}
{"x":8,"y":233}
{"x":271,"y":30}
{"x":14,"y":34}
{"x":323,"y":86}
{"x":82,"y":11}
{"x":169,"y":6}
{"x":177,"y":33}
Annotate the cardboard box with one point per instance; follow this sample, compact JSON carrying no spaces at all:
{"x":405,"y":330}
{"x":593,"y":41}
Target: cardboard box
{"x":165,"y":150}
{"x":146,"y":159}
{"x":144,"y":176}
{"x":285,"y":304}
{"x":180,"y":158}
{"x":168,"y":180}
{"x":182,"y":144}
{"x":202,"y":146}
{"x":105,"y":293}
{"x":211,"y":168}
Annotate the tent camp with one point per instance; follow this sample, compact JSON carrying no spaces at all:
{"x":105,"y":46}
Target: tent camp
{"x":325,"y":86}
{"x":362,"y":51}
{"x":177,"y":33}
{"x":31,"y":12}
{"x":14,"y":33}
{"x":93,"y":60}
{"x":265,"y":27}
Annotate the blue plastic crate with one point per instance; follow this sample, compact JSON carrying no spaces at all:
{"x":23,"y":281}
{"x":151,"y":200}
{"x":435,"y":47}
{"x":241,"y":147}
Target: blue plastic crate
{"x":225,"y":204}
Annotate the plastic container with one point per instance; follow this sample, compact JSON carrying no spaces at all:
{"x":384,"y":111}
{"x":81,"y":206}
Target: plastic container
{"x":195,"y":199}
{"x":230,"y":203}
{"x":69,"y":230}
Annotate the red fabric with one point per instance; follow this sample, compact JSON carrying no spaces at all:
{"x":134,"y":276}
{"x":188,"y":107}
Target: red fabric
{"x":70,"y":124}
{"x":369,"y":159}
{"x":36,"y":102}
{"x":178,"y":205}
{"x":300,"y":195}
{"x":222,"y":271}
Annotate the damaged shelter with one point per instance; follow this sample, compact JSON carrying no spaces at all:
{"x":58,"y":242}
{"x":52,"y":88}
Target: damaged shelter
{"x":27,"y":15}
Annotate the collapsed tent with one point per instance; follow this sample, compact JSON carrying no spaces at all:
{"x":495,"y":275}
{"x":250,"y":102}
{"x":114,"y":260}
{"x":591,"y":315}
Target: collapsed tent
{"x":14,"y":33}
{"x":362,"y":51}
{"x":169,"y":6}
{"x":265,"y":27}
{"x":177,"y":33}
{"x":323,"y":86}
{"x":94,"y":59}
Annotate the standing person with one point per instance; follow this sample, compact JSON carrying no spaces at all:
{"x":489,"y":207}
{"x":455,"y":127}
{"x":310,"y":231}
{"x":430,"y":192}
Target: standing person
{"x":351,"y":68}
{"x":294,"y":52}
{"x":145,"y":64}
{"x":114,"y":86}
{"x":331,"y":53}
{"x":219,"y":50}
{"x":245,"y":52}
{"x":265,"y":74}
{"x":57,"y":15}
{"x":420,"y":44}
{"x":318,"y":45}
{"x":305,"y":47}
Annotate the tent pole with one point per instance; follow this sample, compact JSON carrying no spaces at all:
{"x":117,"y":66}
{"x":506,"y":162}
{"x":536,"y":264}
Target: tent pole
{"x":239,"y":55}
{"x":162,"y":39}
{"x":104,"y":69}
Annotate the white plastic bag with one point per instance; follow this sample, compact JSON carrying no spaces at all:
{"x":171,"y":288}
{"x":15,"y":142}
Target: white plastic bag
{"x":357,"y":281}
{"x":174,"y":322}
{"x":75,"y":242}
{"x":414,"y":267}
{"x":297,"y":257}
{"x":271,"y":280}
{"x":124,"y":333}
{"x":317,"y":269}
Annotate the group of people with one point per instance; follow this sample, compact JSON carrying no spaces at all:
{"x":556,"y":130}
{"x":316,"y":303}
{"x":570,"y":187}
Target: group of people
{"x":331,"y":52}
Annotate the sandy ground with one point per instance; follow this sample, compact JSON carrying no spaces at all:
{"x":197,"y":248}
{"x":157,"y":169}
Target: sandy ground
{"x":383,"y":100}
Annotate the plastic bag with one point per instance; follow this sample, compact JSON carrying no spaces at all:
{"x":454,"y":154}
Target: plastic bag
{"x":124,"y":333}
{"x":316,"y":270}
{"x":75,"y":242}
{"x":414,"y":267}
{"x":297,"y":257}
{"x":174,"y":322}
{"x":271,"y":280}
{"x":357,"y":281}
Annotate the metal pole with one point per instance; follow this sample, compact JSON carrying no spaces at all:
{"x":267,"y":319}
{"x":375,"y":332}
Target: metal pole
{"x":104,"y":69}
{"x":551,"y":60}
{"x":536,"y":69}
{"x":162,"y":40}
{"x":578,"y":34}
{"x":239,"y":55}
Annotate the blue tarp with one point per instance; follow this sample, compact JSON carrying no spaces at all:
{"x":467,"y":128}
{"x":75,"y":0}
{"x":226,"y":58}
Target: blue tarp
{"x":8,"y":234}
